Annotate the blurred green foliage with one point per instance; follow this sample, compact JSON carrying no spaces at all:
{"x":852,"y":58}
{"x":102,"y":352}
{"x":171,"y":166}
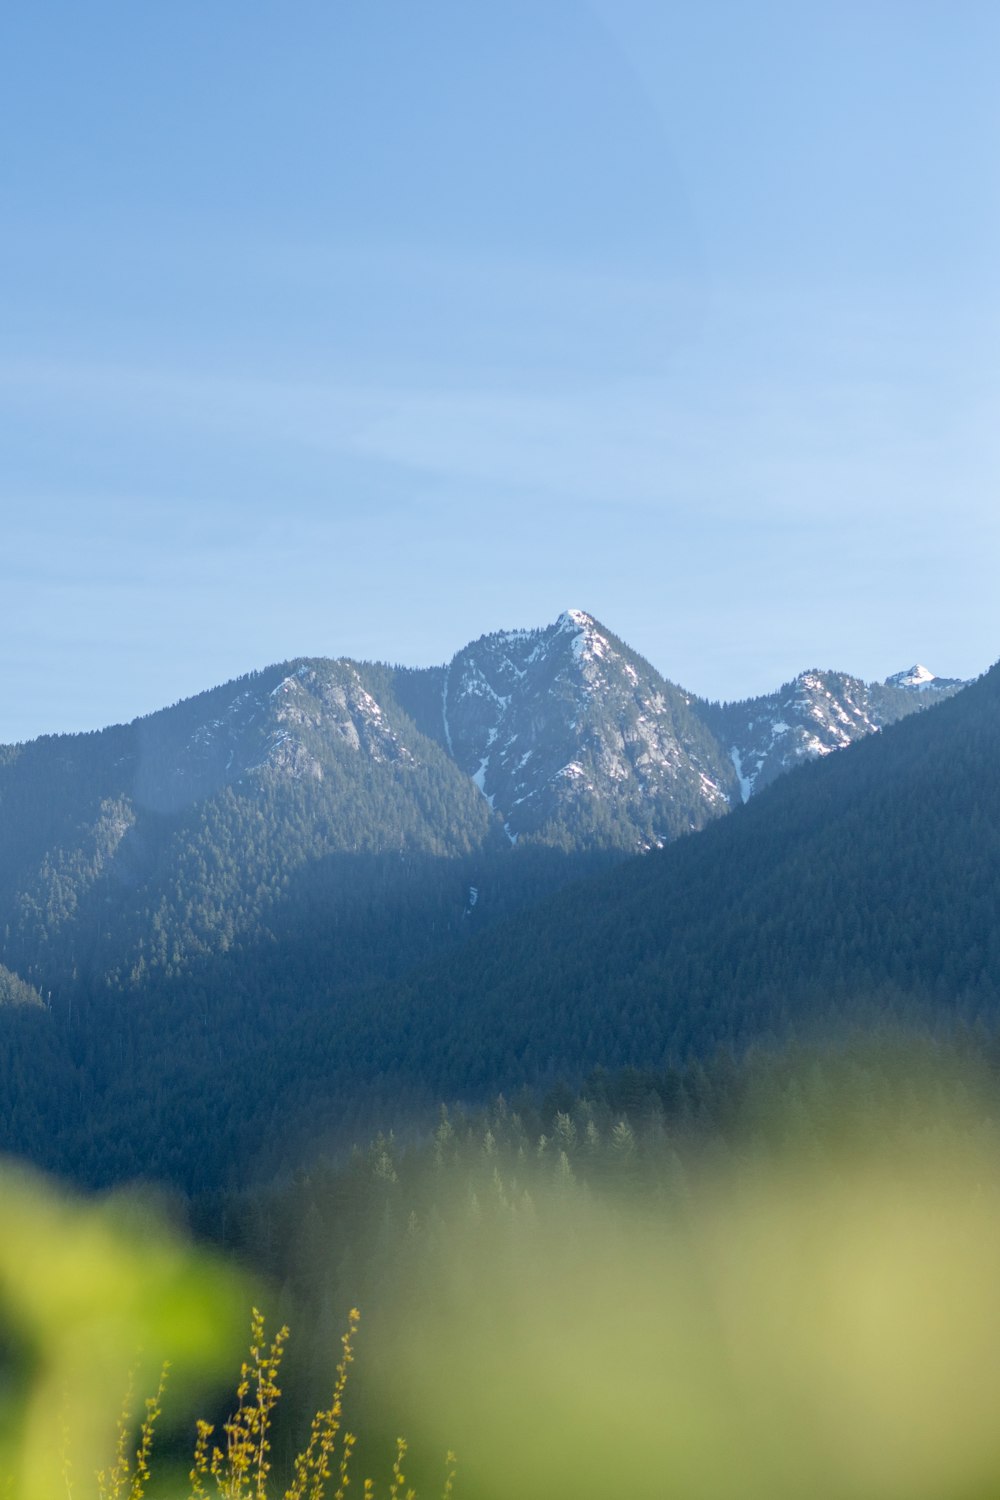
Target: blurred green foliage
{"x":770,"y":1283}
{"x":801,"y":1300}
{"x":90,"y":1291}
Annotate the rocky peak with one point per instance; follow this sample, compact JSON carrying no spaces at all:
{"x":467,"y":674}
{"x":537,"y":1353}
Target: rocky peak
{"x":920,"y":679}
{"x":816,"y":713}
{"x":564,"y":723}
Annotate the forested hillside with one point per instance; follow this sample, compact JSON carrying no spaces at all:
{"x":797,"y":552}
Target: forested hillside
{"x":864,"y":884}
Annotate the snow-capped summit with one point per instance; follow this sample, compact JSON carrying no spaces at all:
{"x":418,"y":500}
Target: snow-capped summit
{"x":575,"y":619}
{"x":918,"y":677}
{"x":567,"y":727}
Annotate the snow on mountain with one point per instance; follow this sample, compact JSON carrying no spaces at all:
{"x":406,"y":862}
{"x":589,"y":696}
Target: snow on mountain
{"x":328,"y":703}
{"x":919,"y":679}
{"x":568,"y":734}
{"x":815,"y":713}
{"x":564,"y":726}
{"x":286,"y":721}
{"x":560,"y":736}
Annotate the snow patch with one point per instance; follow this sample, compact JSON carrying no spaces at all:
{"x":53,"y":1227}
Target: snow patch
{"x":444,"y":711}
{"x":746,"y":785}
{"x":479,"y":780}
{"x":574,"y":619}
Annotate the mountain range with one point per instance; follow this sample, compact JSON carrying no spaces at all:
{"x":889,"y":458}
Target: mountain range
{"x":326,"y":878}
{"x":156,"y":842}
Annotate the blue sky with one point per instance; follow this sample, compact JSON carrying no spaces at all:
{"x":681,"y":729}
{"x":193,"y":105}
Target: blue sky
{"x":363,"y":328}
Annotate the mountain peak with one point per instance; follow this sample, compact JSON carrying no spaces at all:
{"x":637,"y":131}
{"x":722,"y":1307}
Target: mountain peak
{"x":917,"y":676}
{"x":587,"y":643}
{"x":566,"y":728}
{"x":575,"y":619}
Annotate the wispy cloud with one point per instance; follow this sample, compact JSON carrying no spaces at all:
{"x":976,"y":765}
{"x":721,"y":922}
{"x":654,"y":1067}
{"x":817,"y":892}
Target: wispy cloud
{"x":831,"y":450}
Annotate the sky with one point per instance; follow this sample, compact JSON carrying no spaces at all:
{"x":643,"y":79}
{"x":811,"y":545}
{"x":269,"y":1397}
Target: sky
{"x":365,"y":327}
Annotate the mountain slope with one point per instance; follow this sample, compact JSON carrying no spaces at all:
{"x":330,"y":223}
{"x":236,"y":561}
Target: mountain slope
{"x":146,"y":845}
